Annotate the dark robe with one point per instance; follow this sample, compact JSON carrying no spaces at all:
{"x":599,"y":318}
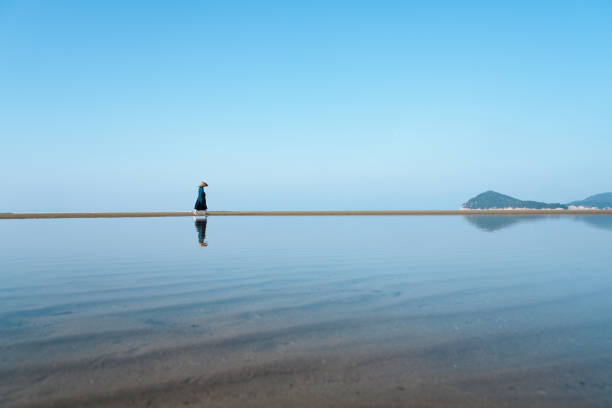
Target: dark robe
{"x":200,"y":204}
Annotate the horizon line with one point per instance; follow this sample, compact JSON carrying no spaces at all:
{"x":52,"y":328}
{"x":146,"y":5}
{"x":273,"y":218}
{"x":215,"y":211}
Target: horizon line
{"x":154,"y":214}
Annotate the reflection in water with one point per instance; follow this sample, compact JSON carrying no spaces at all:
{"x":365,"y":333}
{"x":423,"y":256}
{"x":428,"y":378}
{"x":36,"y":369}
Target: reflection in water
{"x":492,"y":223}
{"x":597,"y":221}
{"x":298,"y":312}
{"x":200,"y":225}
{"x":495,"y":223}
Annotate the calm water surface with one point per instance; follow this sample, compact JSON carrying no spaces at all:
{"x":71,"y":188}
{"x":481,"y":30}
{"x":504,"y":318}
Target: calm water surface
{"x":307,"y":311}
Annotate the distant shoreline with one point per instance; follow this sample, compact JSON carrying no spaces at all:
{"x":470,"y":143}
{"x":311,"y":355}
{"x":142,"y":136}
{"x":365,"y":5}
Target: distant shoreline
{"x":465,"y":212}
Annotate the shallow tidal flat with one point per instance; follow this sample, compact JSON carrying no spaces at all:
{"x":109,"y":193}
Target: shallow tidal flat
{"x":336,"y":311}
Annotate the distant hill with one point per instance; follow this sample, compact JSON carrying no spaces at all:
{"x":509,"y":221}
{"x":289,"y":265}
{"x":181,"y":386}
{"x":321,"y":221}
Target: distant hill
{"x":603,"y":200}
{"x":495,"y":200}
{"x":492,"y":200}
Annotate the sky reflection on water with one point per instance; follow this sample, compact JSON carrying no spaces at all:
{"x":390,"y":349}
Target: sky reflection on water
{"x":333,"y":311}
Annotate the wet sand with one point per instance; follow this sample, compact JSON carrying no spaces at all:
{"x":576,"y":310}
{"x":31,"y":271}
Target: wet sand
{"x":300,"y":213}
{"x":411,"y":359}
{"x":249,"y":371}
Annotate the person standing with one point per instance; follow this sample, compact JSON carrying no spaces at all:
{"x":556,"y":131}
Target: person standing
{"x":200,"y":204}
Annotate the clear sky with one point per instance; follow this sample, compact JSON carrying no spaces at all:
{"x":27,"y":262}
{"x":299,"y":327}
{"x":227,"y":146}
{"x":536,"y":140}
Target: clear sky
{"x":127,"y":105}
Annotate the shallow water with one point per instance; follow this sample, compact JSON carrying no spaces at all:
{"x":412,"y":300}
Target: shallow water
{"x":304,"y":311}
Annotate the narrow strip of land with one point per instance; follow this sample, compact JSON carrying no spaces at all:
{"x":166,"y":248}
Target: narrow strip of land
{"x":300,"y":213}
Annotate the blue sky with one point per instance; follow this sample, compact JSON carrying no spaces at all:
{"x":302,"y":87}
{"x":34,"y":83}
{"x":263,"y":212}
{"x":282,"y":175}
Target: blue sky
{"x":302,"y":105}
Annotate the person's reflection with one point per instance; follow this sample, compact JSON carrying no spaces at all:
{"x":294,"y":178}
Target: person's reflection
{"x":200,"y":225}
